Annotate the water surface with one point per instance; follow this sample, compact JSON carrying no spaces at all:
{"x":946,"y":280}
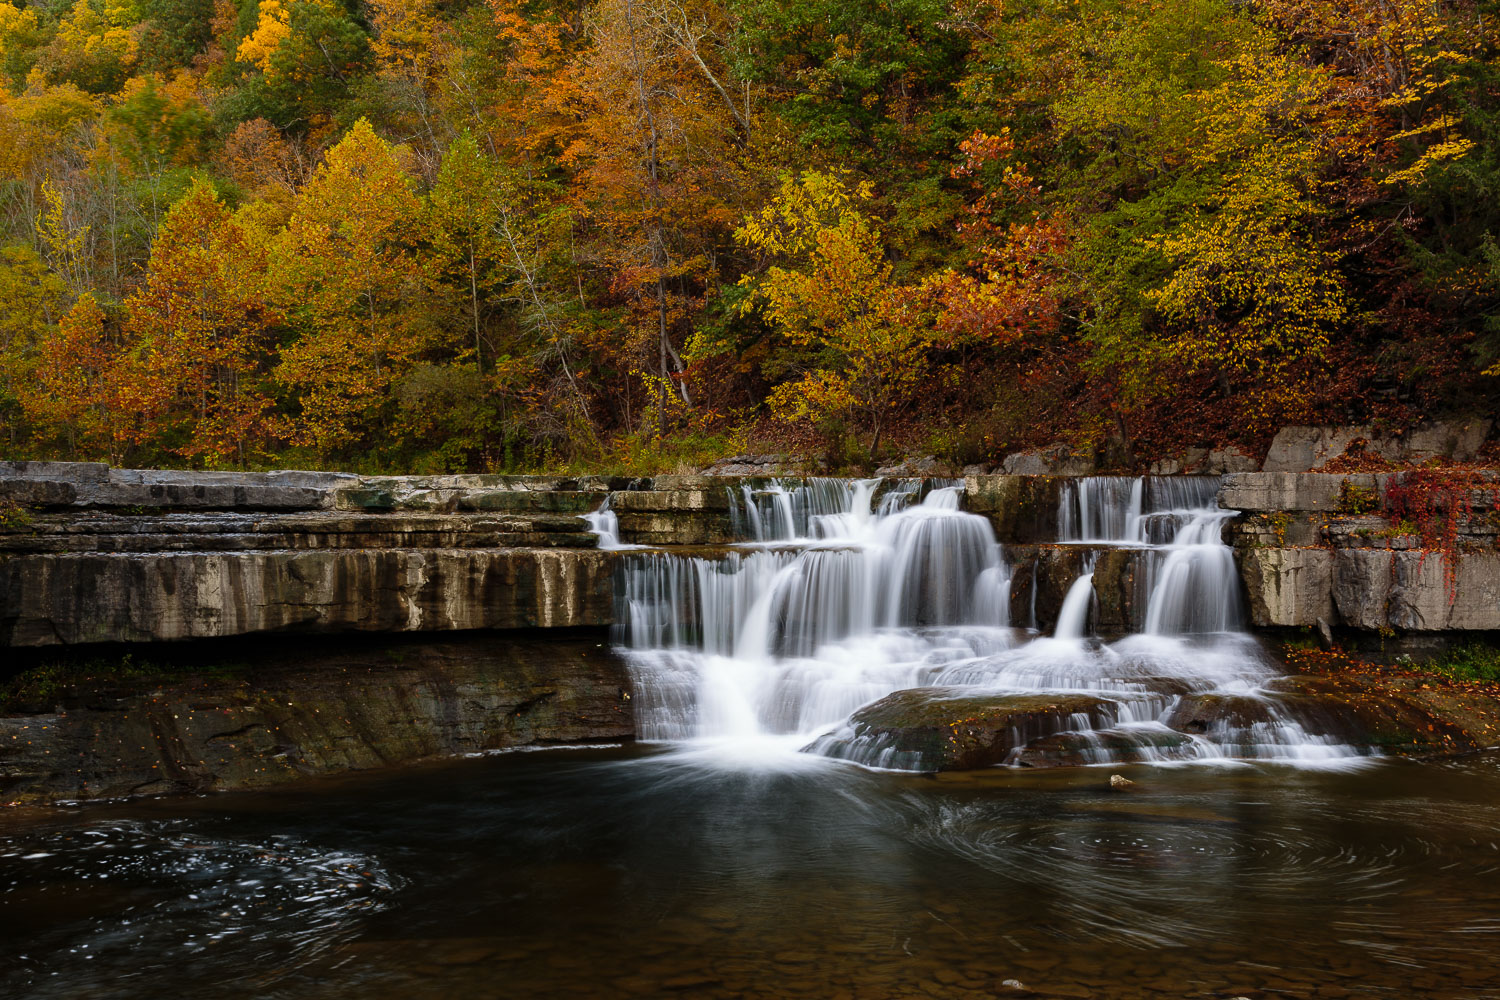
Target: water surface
{"x":648,"y":872}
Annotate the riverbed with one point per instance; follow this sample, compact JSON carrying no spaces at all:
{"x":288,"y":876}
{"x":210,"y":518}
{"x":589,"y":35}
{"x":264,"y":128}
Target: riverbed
{"x":649,"y":871}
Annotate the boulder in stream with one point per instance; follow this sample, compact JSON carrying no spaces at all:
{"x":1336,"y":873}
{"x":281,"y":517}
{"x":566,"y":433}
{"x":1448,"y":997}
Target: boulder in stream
{"x":952,"y":729}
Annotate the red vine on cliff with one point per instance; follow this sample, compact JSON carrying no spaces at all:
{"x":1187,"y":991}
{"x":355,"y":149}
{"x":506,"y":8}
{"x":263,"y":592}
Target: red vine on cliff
{"x":1437,"y":501}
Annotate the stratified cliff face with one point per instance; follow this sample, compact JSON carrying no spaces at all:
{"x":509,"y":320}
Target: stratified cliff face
{"x":90,"y":554}
{"x":101,"y":555}
{"x":77,"y":598}
{"x":287,"y":710}
{"x":1312,"y":548}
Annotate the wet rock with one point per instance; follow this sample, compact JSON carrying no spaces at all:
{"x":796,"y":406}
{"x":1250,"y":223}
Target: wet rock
{"x":1201,"y":714}
{"x":942,"y":729}
{"x":1050,"y":571}
{"x":1021,"y":509}
{"x":1119,"y":781}
{"x":272,"y":714}
{"x":1110,"y":746}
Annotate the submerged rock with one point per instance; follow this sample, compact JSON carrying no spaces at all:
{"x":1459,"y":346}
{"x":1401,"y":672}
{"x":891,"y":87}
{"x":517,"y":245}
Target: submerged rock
{"x":1112,"y":746}
{"x":948,"y":729}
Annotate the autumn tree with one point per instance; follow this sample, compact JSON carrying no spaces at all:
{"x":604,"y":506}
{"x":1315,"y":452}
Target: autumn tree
{"x":345,"y":272}
{"x":659,"y":155}
{"x":95,"y":47}
{"x":831,"y":291}
{"x":32,"y":301}
{"x":74,"y":394}
{"x":464,"y":221}
{"x":202,"y":333}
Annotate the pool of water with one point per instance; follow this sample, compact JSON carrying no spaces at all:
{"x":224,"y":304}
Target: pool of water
{"x":640,"y":872}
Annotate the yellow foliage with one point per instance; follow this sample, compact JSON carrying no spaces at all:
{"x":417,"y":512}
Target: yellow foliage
{"x":836,"y":294}
{"x":1251,"y":285}
{"x":344,"y":269}
{"x":62,"y":240}
{"x":18,"y":28}
{"x":91,"y":41}
{"x":273,"y":26}
{"x":32,"y":125}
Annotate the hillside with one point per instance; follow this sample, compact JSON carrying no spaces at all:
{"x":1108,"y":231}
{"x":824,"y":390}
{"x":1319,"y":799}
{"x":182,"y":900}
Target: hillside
{"x":641,"y":234}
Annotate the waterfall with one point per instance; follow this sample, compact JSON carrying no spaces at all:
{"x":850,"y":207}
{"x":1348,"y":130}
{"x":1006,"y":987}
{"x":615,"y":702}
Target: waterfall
{"x":604,"y":523}
{"x":1073,"y":617}
{"x":845,"y":591}
{"x":1196,"y":587}
{"x":774,"y":511}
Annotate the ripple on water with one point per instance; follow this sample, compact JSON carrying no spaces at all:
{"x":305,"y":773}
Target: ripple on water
{"x":156,"y":894}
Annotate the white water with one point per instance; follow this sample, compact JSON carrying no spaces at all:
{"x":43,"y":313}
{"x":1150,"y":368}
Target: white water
{"x":845,"y":592}
{"x":1073,"y":617}
{"x":604,"y":523}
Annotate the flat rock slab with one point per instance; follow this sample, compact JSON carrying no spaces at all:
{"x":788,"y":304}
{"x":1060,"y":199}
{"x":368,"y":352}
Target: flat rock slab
{"x":949,"y":729}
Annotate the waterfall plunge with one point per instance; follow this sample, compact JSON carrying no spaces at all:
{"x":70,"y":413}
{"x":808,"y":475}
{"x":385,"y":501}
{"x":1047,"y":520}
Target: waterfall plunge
{"x":836,"y":600}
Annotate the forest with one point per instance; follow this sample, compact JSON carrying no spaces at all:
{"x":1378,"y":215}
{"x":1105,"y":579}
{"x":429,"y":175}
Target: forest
{"x":517,"y":235}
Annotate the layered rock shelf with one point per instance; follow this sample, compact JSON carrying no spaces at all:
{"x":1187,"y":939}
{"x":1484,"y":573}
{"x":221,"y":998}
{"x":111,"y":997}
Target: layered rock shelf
{"x":272,"y":713}
{"x":90,"y":554}
{"x":1314,"y":551}
{"x":493,"y":597}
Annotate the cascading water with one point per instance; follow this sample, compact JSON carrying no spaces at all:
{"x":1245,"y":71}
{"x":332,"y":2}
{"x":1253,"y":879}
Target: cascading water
{"x":841,"y":595}
{"x":604,"y":523}
{"x":1073,"y":616}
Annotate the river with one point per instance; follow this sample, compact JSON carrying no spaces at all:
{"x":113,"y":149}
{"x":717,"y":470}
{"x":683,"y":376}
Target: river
{"x":650,"y":871}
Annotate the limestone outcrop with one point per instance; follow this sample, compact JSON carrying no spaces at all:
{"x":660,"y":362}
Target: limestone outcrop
{"x":92,"y":554}
{"x":1315,"y":548}
{"x":275,"y":713}
{"x":1303,"y":449}
{"x":73,"y":598}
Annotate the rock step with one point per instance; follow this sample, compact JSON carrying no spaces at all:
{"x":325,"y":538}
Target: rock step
{"x":260,"y":715}
{"x":71,"y":598}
